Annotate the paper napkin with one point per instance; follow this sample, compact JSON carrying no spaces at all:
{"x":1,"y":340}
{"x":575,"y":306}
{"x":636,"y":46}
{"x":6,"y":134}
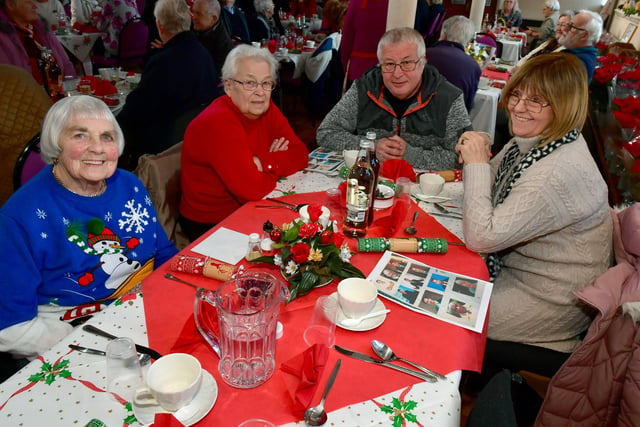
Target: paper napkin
{"x":224,"y":245}
{"x":166,"y":420}
{"x":393,"y":169}
{"x":305,"y":371}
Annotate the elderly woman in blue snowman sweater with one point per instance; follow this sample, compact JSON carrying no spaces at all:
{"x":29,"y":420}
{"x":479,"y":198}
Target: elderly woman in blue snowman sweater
{"x":78,"y":235}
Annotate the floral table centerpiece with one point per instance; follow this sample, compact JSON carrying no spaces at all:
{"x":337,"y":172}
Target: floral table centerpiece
{"x":310,"y":254}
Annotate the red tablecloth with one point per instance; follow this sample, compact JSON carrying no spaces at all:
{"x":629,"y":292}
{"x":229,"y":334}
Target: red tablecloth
{"x":436,"y":344}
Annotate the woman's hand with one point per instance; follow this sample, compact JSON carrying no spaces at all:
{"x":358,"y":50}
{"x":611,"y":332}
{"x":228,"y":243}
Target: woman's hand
{"x":279,"y":144}
{"x":474,"y":147}
{"x":393,"y":147}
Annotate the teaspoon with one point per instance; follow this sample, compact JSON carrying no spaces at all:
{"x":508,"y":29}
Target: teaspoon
{"x":385,"y":353}
{"x":317,"y":416}
{"x":411,"y":229}
{"x":349,"y":322}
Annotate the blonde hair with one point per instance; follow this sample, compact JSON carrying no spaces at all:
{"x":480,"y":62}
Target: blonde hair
{"x":561,"y":79}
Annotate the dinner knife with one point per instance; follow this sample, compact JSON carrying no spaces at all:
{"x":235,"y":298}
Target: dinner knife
{"x":88,"y":350}
{"x":367,"y":358}
{"x":139,"y":348}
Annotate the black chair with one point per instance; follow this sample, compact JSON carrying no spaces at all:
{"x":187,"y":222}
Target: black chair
{"x":28,"y":163}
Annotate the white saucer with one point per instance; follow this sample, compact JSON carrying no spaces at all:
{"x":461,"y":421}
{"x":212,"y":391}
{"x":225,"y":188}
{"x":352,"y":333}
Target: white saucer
{"x":188,"y":415}
{"x":366,"y":324}
{"x":415,"y":192}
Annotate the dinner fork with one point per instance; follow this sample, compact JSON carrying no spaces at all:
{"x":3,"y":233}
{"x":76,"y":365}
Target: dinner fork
{"x":447,"y":210}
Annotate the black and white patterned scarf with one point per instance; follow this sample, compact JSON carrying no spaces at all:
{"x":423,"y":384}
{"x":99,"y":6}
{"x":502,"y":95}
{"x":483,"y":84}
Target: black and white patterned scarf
{"x":506,"y":177}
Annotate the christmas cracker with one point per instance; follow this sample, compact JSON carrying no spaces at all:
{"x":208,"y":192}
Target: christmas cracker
{"x":408,"y":245}
{"x":203,"y":266}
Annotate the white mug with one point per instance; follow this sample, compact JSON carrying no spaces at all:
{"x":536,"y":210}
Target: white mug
{"x":172,"y":382}
{"x":431,"y":184}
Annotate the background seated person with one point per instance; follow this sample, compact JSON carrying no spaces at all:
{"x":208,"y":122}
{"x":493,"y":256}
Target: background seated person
{"x":51,"y":11}
{"x":551,"y":45}
{"x":210,"y":31}
{"x":580,"y":35}
{"x":452,"y":61}
{"x":82,"y":12}
{"x":235,"y":22}
{"x":23,"y":34}
{"x":179,"y":78}
{"x":540,"y":209}
{"x":416,"y":113}
{"x":239,"y":146}
{"x":262,"y":26}
{"x":547,"y":30}
{"x":89,"y":237}
{"x":510,"y":14}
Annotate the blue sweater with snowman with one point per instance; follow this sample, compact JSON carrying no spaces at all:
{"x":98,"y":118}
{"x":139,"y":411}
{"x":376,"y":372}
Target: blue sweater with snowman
{"x":59,"y":250}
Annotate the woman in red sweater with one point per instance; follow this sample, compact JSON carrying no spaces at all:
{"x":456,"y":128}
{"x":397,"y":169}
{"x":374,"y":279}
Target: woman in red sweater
{"x":239,"y":146}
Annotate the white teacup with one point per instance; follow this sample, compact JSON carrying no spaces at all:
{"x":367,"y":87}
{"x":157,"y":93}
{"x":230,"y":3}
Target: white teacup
{"x":324,"y":216}
{"x":356,"y":296}
{"x":350,"y":157}
{"x":431,"y":184}
{"x":483,"y":83}
{"x":172,"y":382}
{"x":310,"y":44}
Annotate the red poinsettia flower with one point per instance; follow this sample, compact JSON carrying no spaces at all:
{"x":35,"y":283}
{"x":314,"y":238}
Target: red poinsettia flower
{"x":314,"y":210}
{"x":309,"y":230}
{"x":300,"y":252}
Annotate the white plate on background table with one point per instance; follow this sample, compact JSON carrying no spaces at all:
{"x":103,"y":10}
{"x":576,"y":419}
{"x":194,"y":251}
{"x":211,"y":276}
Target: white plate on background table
{"x":415,"y":192}
{"x":188,"y":415}
{"x":366,"y":324}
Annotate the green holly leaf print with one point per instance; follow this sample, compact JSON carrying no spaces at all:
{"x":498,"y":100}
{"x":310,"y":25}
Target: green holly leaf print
{"x":410,"y":405}
{"x":396,"y":403}
{"x":65,"y":374}
{"x":387,"y":409}
{"x":50,"y":378}
{"x":36,"y":377}
{"x":62,"y":364}
{"x":128,"y":406}
{"x":46,"y":367}
{"x":397,"y":421}
{"x":130,"y":419}
{"x":411,"y":417}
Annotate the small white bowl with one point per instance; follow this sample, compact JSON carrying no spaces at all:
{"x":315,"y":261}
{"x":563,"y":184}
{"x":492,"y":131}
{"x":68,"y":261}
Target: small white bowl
{"x":384,"y":197}
{"x":431,"y":184}
{"x":350,"y":157}
{"x":324,"y":216}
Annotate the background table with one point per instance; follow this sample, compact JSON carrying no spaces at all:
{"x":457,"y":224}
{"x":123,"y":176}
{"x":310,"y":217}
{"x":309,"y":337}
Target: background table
{"x":80,"y":46}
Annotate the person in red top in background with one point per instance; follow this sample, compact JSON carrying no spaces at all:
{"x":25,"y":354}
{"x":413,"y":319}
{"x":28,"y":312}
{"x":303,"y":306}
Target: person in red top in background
{"x":364,"y":24}
{"x":238,"y":147}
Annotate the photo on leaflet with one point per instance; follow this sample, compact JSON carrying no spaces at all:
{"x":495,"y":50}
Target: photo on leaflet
{"x":430,"y":301}
{"x":465,"y":286}
{"x":438,"y":282}
{"x":406,"y":294}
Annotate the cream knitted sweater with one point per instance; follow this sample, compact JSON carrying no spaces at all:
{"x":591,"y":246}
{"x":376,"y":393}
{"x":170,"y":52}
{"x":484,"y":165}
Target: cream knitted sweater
{"x":557,"y":227}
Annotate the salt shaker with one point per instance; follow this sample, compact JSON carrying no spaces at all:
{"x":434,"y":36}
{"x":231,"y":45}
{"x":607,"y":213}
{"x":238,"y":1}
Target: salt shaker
{"x":253,"y":250}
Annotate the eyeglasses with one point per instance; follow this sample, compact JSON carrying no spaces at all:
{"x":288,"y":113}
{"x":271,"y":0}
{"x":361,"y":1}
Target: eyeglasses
{"x":267,"y":85}
{"x":573,"y":27}
{"x":534,"y":104}
{"x":390,"y":67}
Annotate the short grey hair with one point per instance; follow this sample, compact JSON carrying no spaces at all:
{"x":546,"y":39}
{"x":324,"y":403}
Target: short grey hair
{"x":569,"y":13}
{"x":552,"y":4}
{"x":246,"y":51}
{"x":458,"y":29}
{"x":62,"y":112}
{"x":594,"y":26}
{"x":173,"y":15}
{"x":213,"y":6}
{"x":401,"y":35}
{"x":262,"y":5}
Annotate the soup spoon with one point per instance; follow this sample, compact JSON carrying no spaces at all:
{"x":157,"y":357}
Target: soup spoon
{"x":349,"y":322}
{"x":384,"y":352}
{"x":317,"y":416}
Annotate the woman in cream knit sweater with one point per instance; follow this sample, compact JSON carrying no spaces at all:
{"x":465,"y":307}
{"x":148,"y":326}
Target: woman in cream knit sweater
{"x":539,"y":209}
